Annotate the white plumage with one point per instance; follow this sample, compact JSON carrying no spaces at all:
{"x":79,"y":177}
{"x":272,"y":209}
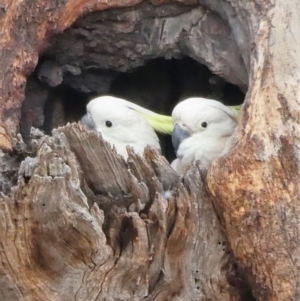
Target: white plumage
{"x":122,"y":123}
{"x":202,"y":128}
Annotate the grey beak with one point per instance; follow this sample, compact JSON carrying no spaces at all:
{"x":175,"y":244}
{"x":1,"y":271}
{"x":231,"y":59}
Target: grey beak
{"x":88,"y":122}
{"x":178,"y":135}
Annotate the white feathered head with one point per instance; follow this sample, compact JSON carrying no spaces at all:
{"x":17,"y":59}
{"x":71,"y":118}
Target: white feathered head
{"x":123,"y":123}
{"x":201,"y":129}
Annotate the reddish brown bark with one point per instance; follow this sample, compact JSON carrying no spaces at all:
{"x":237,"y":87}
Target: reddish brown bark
{"x":256,"y":187}
{"x":25,"y":29}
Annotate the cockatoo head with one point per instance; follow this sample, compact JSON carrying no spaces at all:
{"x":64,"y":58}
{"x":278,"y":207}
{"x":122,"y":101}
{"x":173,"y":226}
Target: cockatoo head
{"x":201,"y":129}
{"x":123,"y":123}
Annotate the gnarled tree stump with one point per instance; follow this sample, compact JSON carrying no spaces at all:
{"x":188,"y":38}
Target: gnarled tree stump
{"x":82,"y":223}
{"x":78,"y":222}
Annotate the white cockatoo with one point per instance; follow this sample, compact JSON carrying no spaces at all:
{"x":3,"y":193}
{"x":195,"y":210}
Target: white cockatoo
{"x":123,"y":123}
{"x":201,"y":130}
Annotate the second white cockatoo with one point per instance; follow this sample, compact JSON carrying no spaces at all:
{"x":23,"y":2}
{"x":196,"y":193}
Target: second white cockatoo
{"x":202,"y":128}
{"x":123,"y":123}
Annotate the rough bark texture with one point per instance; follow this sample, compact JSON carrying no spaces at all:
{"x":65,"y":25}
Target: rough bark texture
{"x":256,"y":187}
{"x":142,"y":33}
{"x":83,"y":224}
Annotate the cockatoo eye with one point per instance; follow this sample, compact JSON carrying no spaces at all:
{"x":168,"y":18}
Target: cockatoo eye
{"x":204,"y":124}
{"x":108,"y":123}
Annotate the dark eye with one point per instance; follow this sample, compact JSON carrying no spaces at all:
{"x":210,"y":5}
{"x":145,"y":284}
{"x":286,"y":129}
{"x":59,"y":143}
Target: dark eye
{"x":204,"y":124}
{"x":108,"y":123}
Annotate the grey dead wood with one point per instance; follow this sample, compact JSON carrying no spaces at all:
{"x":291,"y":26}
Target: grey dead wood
{"x":84,"y":224}
{"x":255,"y":187}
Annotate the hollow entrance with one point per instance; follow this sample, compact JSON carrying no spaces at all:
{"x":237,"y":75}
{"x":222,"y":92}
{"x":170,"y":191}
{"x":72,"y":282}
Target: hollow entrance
{"x":158,"y":85}
{"x":119,"y":52}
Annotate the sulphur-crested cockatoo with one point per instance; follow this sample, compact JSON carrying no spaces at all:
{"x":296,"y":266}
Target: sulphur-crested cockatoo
{"x":123,"y":123}
{"x":201,"y":130}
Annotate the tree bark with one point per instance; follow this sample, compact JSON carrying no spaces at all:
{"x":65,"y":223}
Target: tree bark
{"x":256,"y":187}
{"x":78,"y":222}
{"x":83,"y":224}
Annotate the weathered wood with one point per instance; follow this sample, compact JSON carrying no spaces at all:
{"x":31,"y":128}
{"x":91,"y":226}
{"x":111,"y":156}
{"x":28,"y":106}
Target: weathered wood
{"x":84,"y":224}
{"x":256,"y":187}
{"x":146,"y":32}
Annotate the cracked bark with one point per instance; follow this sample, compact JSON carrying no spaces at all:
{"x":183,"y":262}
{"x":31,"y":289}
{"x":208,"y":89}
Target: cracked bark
{"x":69,"y":230}
{"x":77,"y":222}
{"x":257,"y":189}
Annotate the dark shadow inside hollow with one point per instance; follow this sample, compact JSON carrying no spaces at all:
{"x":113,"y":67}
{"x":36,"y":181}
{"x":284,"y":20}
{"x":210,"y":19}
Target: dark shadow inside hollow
{"x":53,"y":99}
{"x":154,"y":55}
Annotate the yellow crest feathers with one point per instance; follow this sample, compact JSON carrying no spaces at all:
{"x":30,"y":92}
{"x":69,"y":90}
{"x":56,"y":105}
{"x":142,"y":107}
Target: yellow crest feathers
{"x":235,"y":110}
{"x":160,"y":123}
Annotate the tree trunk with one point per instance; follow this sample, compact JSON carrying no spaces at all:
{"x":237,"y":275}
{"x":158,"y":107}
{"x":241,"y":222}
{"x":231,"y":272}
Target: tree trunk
{"x":78,"y":222}
{"x":256,"y":187}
